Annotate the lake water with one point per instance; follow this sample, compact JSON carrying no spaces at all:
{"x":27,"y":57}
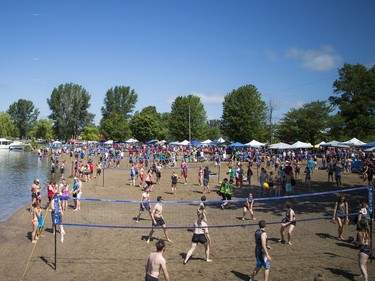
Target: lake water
{"x":17,"y":173}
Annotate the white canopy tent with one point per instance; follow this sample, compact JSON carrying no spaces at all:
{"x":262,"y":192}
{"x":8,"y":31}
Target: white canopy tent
{"x":131,"y":140}
{"x":255,"y":144}
{"x":109,"y":142}
{"x":206,"y":141}
{"x":185,"y":142}
{"x":353,"y":142}
{"x":319,"y":144}
{"x":335,"y":144}
{"x":280,"y":145}
{"x":300,"y":144}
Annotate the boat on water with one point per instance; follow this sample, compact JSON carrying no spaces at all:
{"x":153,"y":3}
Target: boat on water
{"x":5,"y":144}
{"x":18,"y":145}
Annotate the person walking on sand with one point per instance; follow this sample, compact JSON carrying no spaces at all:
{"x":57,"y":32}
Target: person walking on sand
{"x":262,"y":256}
{"x":206,"y":180}
{"x":200,"y":235}
{"x":156,"y":262}
{"x":174,"y":179}
{"x":145,"y":203}
{"x":340,"y":214}
{"x":248,"y":206}
{"x":201,"y":211}
{"x":184,"y":170}
{"x":158,"y":220}
{"x":288,"y":222}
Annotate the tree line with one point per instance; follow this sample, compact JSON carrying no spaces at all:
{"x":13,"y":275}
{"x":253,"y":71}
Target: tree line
{"x":349,"y":112}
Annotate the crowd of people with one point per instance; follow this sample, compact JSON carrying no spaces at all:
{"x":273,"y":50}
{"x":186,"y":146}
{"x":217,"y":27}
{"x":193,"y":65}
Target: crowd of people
{"x":276,"y":178}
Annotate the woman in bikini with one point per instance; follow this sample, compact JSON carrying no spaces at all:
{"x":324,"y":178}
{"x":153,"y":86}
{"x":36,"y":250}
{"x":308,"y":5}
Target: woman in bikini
{"x":248,"y":206}
{"x":35,"y":218}
{"x":288,"y":222}
{"x":365,"y":250}
{"x":340,"y":214}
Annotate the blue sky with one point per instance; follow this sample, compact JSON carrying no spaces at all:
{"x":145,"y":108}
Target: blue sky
{"x":290,"y":50}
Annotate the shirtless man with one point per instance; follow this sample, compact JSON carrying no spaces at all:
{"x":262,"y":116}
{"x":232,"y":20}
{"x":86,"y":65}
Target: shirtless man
{"x":157,"y":219}
{"x":156,"y":262}
{"x":145,"y":204}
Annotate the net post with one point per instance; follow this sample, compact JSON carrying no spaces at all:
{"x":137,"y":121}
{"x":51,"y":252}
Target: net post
{"x":56,"y":220}
{"x":103,"y":169}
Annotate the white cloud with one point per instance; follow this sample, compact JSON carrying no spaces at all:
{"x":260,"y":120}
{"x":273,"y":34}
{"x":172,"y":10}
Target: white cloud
{"x":35,"y":15}
{"x":324,"y":59}
{"x":270,"y":55}
{"x":205,"y":99}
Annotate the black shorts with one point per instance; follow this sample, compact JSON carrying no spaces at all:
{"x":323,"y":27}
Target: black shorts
{"x":199,"y":238}
{"x":159,"y":222}
{"x":150,"y":278}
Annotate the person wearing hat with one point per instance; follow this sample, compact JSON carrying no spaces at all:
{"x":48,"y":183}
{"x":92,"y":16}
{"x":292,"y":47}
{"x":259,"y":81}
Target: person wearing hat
{"x":158,"y":220}
{"x":145,"y":203}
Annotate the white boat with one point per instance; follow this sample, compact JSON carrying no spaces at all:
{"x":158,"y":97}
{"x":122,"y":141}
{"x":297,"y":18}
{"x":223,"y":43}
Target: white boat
{"x":18,"y":145}
{"x":4,"y":143}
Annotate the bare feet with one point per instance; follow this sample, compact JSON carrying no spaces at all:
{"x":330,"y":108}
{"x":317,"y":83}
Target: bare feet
{"x":208,"y":260}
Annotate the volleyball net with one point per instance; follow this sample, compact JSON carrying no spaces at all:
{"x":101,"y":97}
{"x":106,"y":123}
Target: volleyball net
{"x":104,"y":213}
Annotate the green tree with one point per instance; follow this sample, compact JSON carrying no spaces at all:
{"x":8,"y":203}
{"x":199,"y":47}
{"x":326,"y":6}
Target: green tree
{"x":187,"y":118}
{"x":355,"y":100}
{"x":164,"y":133}
{"x":115,"y":127}
{"x":24,"y":115}
{"x":244,"y":115}
{"x":42,"y":129}
{"x":69,"y":105}
{"x":90,"y":133}
{"x":308,"y":123}
{"x":144,"y":127}
{"x":213,"y":129}
{"x":119,"y":100}
{"x":7,"y":128}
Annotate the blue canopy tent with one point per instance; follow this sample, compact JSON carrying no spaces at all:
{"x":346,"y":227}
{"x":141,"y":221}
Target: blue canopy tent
{"x":370,"y":144}
{"x":195,"y":143}
{"x":236,"y":144}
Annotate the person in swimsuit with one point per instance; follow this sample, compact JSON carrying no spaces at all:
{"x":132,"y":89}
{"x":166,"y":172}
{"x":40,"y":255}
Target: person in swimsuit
{"x":77,"y":193}
{"x":145,"y":203}
{"x":365,"y":250}
{"x":262,"y":256}
{"x":156,"y":262}
{"x":202,"y":209}
{"x":288,"y":222}
{"x":174,"y":178}
{"x":248,"y":206}
{"x":158,"y":220}
{"x":200,"y":235}
{"x":36,"y":212}
{"x":340,"y":214}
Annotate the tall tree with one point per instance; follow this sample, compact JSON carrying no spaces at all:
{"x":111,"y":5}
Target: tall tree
{"x":213,"y":129}
{"x":24,"y":115}
{"x":187,"y":118}
{"x":119,"y":100}
{"x":7,"y":128}
{"x":43,"y":129}
{"x":308,"y":123}
{"x":115,"y":127}
{"x":244,"y":115}
{"x":146,"y":125}
{"x":90,"y":133}
{"x":272,"y":106}
{"x":355,"y":100}
{"x":69,"y":105}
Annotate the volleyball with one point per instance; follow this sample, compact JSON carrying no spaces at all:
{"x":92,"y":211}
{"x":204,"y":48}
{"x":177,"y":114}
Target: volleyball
{"x":265,"y":185}
{"x":220,"y":182}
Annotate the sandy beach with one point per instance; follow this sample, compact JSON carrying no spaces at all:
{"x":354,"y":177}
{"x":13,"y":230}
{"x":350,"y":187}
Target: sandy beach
{"x":97,"y":253}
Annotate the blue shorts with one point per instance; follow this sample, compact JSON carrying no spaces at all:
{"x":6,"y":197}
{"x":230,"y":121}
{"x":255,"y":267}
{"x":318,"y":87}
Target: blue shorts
{"x":262,"y":260}
{"x":145,"y":206}
{"x":205,"y":182}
